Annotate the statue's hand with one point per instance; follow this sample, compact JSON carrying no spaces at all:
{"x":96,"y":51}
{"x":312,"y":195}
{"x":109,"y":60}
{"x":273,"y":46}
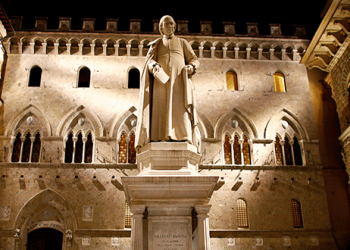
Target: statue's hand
{"x":190,"y":69}
{"x":153,"y":68}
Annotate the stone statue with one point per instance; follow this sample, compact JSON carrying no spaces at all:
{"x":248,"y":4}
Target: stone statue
{"x":167,"y":105}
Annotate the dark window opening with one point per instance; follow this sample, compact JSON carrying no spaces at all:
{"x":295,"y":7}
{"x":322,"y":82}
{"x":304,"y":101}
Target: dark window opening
{"x":36,"y":148}
{"x":35,"y":77}
{"x":88,"y":149}
{"x":69,"y":149}
{"x":45,"y":238}
{"x":16,"y":152}
{"x":26,"y":148}
{"x":79,"y":149}
{"x":134,"y":79}
{"x":84,"y":78}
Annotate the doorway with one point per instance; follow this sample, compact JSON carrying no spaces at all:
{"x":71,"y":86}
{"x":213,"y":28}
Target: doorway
{"x":45,"y":239}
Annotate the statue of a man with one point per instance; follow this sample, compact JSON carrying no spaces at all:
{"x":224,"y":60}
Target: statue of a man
{"x":167,"y":108}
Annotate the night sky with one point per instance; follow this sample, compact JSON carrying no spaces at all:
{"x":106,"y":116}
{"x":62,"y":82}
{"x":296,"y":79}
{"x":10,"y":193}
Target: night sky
{"x":302,"y":12}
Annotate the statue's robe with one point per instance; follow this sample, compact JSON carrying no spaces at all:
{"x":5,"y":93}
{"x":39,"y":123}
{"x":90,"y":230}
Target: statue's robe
{"x":167,"y":111}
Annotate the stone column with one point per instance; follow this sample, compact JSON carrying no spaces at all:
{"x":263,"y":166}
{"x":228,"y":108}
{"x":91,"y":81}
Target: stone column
{"x":236,"y":53}
{"x":212,"y":52}
{"x":116,"y":49}
{"x":104,"y":46}
{"x":203,"y":226}
{"x":44,"y":48}
{"x":140,"y":49}
{"x":260,"y":50}
{"x":201,"y":51}
{"x":69,"y":45}
{"x":137,"y":226}
{"x":32,"y":48}
{"x":56,"y":48}
{"x":224,"y":52}
{"x":128,"y":49}
{"x":92,"y":49}
{"x":271,"y":54}
{"x":248,"y":52}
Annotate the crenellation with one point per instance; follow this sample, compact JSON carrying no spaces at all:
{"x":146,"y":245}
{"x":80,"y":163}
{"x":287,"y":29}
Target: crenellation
{"x":206,"y":27}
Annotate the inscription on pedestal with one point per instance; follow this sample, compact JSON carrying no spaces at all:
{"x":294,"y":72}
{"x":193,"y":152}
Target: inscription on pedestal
{"x":170,"y":234}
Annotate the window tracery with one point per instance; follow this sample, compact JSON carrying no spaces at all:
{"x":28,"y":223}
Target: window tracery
{"x":26,"y":148}
{"x":79,"y":148}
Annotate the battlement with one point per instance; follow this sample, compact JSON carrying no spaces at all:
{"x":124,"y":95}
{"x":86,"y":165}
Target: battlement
{"x":112,"y":26}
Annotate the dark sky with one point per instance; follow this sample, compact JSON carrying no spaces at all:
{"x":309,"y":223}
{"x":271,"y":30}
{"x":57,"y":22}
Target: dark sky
{"x":304,"y":12}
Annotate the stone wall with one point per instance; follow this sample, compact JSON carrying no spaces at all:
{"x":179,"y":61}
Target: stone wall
{"x":88,"y":199}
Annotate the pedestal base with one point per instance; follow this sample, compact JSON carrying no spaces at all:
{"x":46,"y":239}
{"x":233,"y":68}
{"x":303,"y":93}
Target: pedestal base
{"x":168,"y":158}
{"x":173,"y":197}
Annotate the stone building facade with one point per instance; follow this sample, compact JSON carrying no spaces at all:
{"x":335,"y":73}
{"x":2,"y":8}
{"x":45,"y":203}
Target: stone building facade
{"x":70,"y":101}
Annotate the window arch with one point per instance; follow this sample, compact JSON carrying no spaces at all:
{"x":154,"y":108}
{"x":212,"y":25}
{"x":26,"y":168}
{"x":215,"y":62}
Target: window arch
{"x":246,"y":151}
{"x":227,"y":150}
{"x":35,"y":77}
{"x":242,"y":213}
{"x":296,"y":213}
{"x":84,"y":77}
{"x":279,"y":82}
{"x":288,"y":151}
{"x":134,"y":79}
{"x":79,"y":149}
{"x":231,"y":80}
{"x":132,"y":150}
{"x":278,"y":151}
{"x":237,"y":150}
{"x":16,"y":149}
{"x":122,"y":149}
{"x":27,"y":148}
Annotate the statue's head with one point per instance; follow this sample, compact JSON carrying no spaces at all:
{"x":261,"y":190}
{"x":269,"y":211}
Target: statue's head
{"x":167,"y":25}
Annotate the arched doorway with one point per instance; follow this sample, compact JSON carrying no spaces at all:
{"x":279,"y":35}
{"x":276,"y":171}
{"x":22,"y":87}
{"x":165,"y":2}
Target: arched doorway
{"x":45,"y":239}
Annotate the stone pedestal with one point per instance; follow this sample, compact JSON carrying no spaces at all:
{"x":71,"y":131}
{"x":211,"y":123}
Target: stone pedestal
{"x":169,"y":199}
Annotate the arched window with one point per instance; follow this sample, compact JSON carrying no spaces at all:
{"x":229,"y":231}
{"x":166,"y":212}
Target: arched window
{"x":16,"y":149}
{"x":35,"y":77}
{"x":231,"y":80}
{"x":297,"y":152}
{"x":81,"y":151}
{"x":122,"y":149}
{"x":69,"y":149}
{"x":36,"y":148}
{"x":89,"y":145}
{"x":227,"y":150}
{"x":134,"y":79}
{"x":246,"y":151}
{"x":26,"y":148}
{"x":242,"y":214}
{"x":296,"y":213}
{"x":78,"y":154}
{"x":280,"y":85}
{"x":288,"y":151}
{"x":84,"y":78}
{"x":132,"y":150}
{"x":237,"y":151}
{"x":278,"y":151}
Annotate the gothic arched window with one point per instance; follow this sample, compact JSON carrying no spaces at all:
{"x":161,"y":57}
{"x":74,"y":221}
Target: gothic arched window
{"x":69,"y":149}
{"x":297,"y":152}
{"x":296,"y":214}
{"x":134,"y":79}
{"x":78,"y":153}
{"x":288,"y":151}
{"x":26,"y":148}
{"x":88,"y":149}
{"x":242,"y":213}
{"x":16,"y":149}
{"x":227,"y":150}
{"x":36,"y":148}
{"x":132,"y":150}
{"x":278,"y":152}
{"x":246,"y":151}
{"x":237,"y":151}
{"x":84,"y":78}
{"x":122,"y":149}
{"x":279,"y":81}
{"x":35,"y":77}
{"x":231,"y":80}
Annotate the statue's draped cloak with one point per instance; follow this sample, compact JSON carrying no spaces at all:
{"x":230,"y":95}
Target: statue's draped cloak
{"x":167,"y":111}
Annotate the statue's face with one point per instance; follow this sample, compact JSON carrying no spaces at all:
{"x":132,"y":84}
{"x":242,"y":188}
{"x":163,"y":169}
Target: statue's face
{"x":168,"y":26}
